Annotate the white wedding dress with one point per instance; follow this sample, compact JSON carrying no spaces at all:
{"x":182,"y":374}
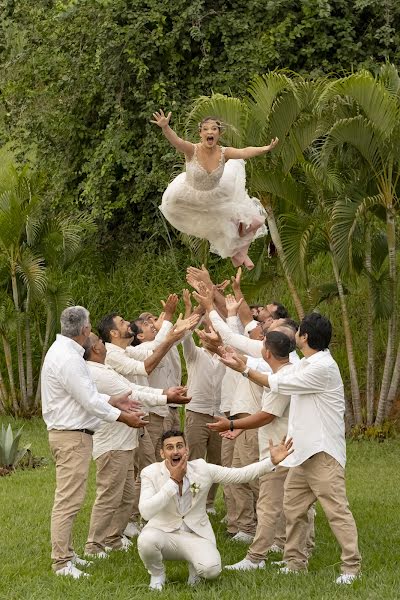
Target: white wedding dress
{"x":213,"y":205}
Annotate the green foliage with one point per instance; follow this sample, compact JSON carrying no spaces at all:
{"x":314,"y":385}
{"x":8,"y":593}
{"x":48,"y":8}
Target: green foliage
{"x":10,"y":453}
{"x":378,"y":433}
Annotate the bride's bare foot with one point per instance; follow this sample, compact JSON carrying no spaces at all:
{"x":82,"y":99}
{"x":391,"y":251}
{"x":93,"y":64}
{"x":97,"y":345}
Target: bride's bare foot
{"x":248,"y":263}
{"x":252,"y":228}
{"x":237,"y":259}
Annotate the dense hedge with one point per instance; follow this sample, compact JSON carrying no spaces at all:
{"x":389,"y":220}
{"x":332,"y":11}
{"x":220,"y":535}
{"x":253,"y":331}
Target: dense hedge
{"x":80,"y":78}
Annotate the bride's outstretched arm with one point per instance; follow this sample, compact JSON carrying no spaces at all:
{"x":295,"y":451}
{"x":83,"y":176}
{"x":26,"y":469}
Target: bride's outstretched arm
{"x":162,"y":121}
{"x":250,"y":151}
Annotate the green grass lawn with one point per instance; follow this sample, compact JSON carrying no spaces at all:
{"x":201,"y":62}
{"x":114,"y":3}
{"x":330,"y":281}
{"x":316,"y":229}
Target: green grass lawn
{"x":373,"y":478}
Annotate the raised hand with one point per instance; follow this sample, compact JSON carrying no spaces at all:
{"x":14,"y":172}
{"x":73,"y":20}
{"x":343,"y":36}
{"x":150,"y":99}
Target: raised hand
{"x":210,"y":337}
{"x":183,"y":325}
{"x":177,"y":472}
{"x":187,"y":302}
{"x":232,"y":305}
{"x":205,"y":298}
{"x":220,"y":424}
{"x":233,"y":360}
{"x":236,"y":281}
{"x":176,"y":395}
{"x":200,"y":274}
{"x":160,"y":119}
{"x":221,"y":287}
{"x":272,"y":145}
{"x":279,"y":452}
{"x":170,"y":305}
{"x":159,"y":321}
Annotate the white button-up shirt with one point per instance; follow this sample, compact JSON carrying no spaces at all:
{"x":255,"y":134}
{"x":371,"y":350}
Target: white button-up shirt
{"x":118,"y":436}
{"x":205,"y":375}
{"x":70,"y":399}
{"x":278,"y":405}
{"x":316,"y":417}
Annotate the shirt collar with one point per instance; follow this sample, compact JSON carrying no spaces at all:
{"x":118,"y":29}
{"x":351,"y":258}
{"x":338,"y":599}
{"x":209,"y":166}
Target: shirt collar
{"x":98,"y":365}
{"x":317,"y":356}
{"x":113,"y":347}
{"x":70,"y":342}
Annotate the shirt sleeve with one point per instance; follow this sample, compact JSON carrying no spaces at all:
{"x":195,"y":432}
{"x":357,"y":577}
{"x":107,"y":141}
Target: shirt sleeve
{"x":274,"y":404}
{"x":189,"y":348}
{"x":125,"y":365}
{"x":78,"y":382}
{"x":235,"y":325}
{"x":152,"y":502}
{"x":242,"y":343}
{"x":227,"y":475}
{"x":312,"y":379}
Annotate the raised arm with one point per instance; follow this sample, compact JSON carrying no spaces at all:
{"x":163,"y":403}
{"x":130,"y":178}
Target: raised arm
{"x":250,"y":151}
{"x":152,"y":502}
{"x":244,"y":312}
{"x":181,"y":145}
{"x":251,"y":422}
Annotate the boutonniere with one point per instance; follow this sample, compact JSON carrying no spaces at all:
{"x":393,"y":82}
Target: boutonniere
{"x":194,"y":488}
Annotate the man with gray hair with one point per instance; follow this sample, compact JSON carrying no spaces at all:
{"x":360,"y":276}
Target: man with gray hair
{"x":72,"y":410}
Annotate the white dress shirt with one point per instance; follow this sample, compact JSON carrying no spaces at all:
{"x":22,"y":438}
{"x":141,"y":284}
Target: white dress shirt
{"x":70,"y":399}
{"x":118,"y":436}
{"x":205,"y":375}
{"x":241,"y":342}
{"x":229,"y":384}
{"x":316,"y":417}
{"x":278,"y":405}
{"x":119,"y":360}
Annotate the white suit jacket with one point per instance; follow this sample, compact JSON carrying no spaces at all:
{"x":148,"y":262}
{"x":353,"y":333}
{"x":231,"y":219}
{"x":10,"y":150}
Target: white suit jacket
{"x":158,"y":505}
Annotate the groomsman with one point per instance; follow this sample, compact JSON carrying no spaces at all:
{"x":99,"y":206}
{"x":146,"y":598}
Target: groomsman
{"x":316,"y":423}
{"x":73,"y":410}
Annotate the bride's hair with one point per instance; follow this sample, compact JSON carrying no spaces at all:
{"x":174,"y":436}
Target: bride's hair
{"x":219,"y":123}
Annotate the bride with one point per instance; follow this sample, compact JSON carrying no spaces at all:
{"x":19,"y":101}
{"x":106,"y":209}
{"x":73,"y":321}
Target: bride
{"x":209,"y":200}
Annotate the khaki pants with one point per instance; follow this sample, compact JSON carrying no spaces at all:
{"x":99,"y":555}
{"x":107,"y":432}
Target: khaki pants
{"x":155,"y":546}
{"x":321,"y":478}
{"x":173,"y":420}
{"x":144,"y":456}
{"x":203,"y":443}
{"x":155,"y":429}
{"x":72,"y":452}
{"x":246,"y":494}
{"x":271,"y":524}
{"x":227,"y":449}
{"x":115,"y":488}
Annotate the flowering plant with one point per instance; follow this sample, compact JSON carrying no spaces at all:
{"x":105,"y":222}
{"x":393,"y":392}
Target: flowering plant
{"x":194,"y":488}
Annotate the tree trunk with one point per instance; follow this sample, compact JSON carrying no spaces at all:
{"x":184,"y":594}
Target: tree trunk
{"x":44,"y":350}
{"x":370,"y":394}
{"x":8,"y":357}
{"x":29,"y":369}
{"x":3,"y":395}
{"x":394,"y":385}
{"x":276,"y":238}
{"x":392,"y":324}
{"x":355,"y":390}
{"x":21,"y":370}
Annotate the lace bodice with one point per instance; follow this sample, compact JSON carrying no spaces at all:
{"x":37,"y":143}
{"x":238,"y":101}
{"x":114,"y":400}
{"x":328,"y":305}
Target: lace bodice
{"x":198,"y":177}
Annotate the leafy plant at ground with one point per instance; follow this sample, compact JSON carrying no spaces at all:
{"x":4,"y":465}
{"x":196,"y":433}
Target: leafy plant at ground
{"x":10,"y":453}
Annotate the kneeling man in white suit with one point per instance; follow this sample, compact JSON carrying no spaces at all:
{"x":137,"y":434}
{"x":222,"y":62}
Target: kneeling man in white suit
{"x":173,"y":501}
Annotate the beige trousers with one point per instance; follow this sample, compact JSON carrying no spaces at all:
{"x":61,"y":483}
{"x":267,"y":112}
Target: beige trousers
{"x":115,"y":488}
{"x":321,"y":478}
{"x":155,"y":546}
{"x":271,"y":524}
{"x":72,"y":452}
{"x":144,"y":456}
{"x":155,"y":429}
{"x":203,"y":443}
{"x":246,"y":494}
{"x":173,"y":420}
{"x":227,"y":449}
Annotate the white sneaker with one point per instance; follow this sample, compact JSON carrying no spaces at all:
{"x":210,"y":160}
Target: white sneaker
{"x":245,"y":565}
{"x":126,"y":544}
{"x":211,"y":510}
{"x":71,"y":571}
{"x":287,"y":571}
{"x":224,"y":519}
{"x":132,"y":530}
{"x":278,"y":563}
{"x":157,"y":582}
{"x":241,"y":536}
{"x":94,"y":555}
{"x":193,"y":578}
{"x":347,"y":578}
{"x":76,"y":560}
{"x":275,"y":548}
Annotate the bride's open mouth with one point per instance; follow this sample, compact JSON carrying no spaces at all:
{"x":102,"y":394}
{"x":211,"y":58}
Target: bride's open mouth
{"x":210,"y":139}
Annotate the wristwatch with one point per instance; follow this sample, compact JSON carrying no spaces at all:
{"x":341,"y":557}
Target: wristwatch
{"x":245,"y":373}
{"x":231,"y":419}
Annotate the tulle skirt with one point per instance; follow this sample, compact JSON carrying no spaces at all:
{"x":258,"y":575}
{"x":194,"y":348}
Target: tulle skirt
{"x":215,"y":214}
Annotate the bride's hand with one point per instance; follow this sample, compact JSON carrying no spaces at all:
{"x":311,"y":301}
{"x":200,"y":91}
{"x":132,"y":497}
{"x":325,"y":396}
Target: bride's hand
{"x":160,"y":119}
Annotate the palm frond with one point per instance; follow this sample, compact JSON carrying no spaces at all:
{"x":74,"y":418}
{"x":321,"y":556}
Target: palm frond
{"x":231,"y":111}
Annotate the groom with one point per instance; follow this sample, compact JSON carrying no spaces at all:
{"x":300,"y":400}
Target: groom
{"x":173,"y":501}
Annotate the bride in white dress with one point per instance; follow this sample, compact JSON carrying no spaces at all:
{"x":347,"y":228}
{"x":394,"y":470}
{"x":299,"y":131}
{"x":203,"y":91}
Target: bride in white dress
{"x":209,"y":200}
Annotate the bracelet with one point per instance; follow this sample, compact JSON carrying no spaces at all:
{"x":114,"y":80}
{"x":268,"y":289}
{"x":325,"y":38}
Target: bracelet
{"x":231,"y":423}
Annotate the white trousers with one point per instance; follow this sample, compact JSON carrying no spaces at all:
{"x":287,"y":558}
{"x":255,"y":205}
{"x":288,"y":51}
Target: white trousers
{"x":155,"y":546}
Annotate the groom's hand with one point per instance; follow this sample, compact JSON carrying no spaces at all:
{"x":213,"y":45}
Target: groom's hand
{"x":177,"y":471}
